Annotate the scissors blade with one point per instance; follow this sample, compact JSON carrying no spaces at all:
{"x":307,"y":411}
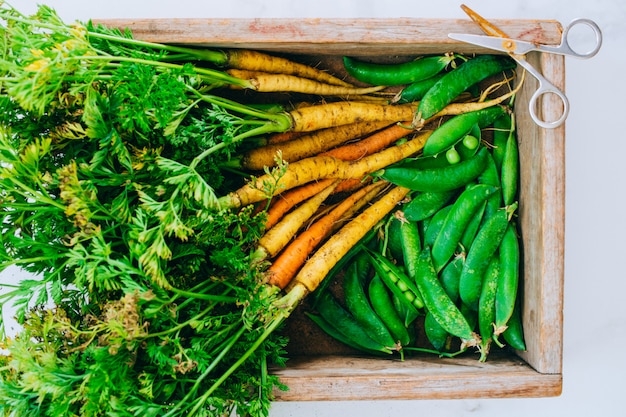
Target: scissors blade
{"x":510,"y":46}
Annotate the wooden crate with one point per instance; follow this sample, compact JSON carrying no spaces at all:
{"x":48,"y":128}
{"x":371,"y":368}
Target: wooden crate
{"x":340,"y":376}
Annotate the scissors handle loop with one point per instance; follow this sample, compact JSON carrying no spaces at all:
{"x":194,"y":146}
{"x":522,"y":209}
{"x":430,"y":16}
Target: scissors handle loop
{"x":565,"y":49}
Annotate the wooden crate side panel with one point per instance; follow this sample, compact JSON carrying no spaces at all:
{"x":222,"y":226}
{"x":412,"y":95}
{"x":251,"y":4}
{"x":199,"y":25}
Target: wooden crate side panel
{"x":542,"y":216}
{"x":403,"y":36}
{"x":337,"y":378}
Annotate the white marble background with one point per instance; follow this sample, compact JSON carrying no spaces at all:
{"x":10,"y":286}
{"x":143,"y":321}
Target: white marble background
{"x":594,"y":365}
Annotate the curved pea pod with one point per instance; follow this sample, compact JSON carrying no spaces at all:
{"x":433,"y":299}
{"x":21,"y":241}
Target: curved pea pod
{"x":425,"y":204}
{"x":454,"y":129}
{"x":391,"y":74}
{"x":514,"y":334}
{"x":510,"y":169}
{"x":330,"y":309}
{"x":435,"y":224}
{"x":446,"y":178}
{"x":487,"y":306}
{"x":472,"y":228}
{"x":437,"y":302}
{"x":332,"y":331}
{"x":394,"y":241}
{"x":460,"y":79}
{"x":416,"y":90}
{"x":411,"y":246}
{"x":358,"y":304}
{"x":436,"y":335}
{"x":382,"y":304}
{"x":457,"y":220}
{"x":509,"y":278}
{"x":397,"y":281}
{"x":501,"y":131}
{"x":449,"y":277}
{"x":485,"y":244}
{"x":491,"y":176}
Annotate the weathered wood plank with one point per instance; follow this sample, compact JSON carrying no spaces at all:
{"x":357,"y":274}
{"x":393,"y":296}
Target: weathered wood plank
{"x":336,"y":378}
{"x":403,"y":36}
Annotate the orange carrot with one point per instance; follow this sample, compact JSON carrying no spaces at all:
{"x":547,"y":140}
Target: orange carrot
{"x":304,"y":146}
{"x":287,"y":200}
{"x":372,"y":143}
{"x":276,"y":238}
{"x":324,"y":167}
{"x":326,"y":257}
{"x":258,"y":61}
{"x":270,"y":83}
{"x":294,"y":255}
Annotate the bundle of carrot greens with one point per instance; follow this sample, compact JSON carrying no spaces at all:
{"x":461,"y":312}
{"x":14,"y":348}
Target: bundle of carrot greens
{"x":167,"y":234}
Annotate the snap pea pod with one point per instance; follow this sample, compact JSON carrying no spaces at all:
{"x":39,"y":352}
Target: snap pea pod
{"x":426,"y":204}
{"x":472,"y":228}
{"x":397,"y":281}
{"x":487,"y":306}
{"x":416,"y":90}
{"x":491,"y":176}
{"x":382,"y":304}
{"x":501,"y":131}
{"x":460,"y":79}
{"x":456,"y":221}
{"x":332,"y":331}
{"x":454,"y":129}
{"x":435,"y":225}
{"x":510,"y":167}
{"x":437,"y":302}
{"x":436,"y":335}
{"x":446,"y":178}
{"x":514,"y":333}
{"x":509,"y":278}
{"x":330,"y":309}
{"x":449,"y":276}
{"x":479,"y":254}
{"x":358,"y":304}
{"x":392,"y":74}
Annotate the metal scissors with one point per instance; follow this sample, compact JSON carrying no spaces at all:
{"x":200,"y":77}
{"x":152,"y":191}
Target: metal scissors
{"x":497,"y":40}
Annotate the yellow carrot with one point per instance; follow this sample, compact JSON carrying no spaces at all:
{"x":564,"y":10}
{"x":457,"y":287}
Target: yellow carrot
{"x":272,"y":83}
{"x":258,"y":61}
{"x":323,"y":167}
{"x":326,"y":257}
{"x":306,"y":145}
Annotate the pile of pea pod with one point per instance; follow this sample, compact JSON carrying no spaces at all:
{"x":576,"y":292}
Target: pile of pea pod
{"x":445,"y":276}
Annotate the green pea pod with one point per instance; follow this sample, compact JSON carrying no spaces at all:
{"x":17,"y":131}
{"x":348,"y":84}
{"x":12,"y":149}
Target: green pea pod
{"x":396,"y":74}
{"x":462,"y":212}
{"x":357,"y":303}
{"x":479,"y":254}
{"x":411,"y":246}
{"x":435,"y":224}
{"x":460,"y":79}
{"x":382,"y":304}
{"x":330,"y":309}
{"x":487,"y":306}
{"x":447,"y":178}
{"x":449,"y":277}
{"x":396,"y":280}
{"x":416,"y":90}
{"x":394,"y":241}
{"x":405,"y":310}
{"x":514,"y":333}
{"x":491,"y":176}
{"x":436,"y":335}
{"x":510,"y":169}
{"x":509,"y":278}
{"x":332,"y":331}
{"x":425,"y":204}
{"x":501,"y":132}
{"x":472,"y":228}
{"x":437,"y":302}
{"x":454,"y":129}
